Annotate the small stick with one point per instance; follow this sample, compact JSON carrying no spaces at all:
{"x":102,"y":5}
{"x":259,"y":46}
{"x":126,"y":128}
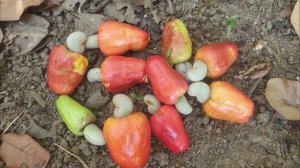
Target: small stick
{"x":254,"y":86}
{"x":203,"y":9}
{"x":6,"y":129}
{"x":70,"y":153}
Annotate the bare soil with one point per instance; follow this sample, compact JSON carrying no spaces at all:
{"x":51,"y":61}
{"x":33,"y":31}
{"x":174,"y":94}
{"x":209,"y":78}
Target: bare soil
{"x":267,"y":140}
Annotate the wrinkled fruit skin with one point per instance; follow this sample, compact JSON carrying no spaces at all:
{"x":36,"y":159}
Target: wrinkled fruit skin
{"x":120,"y":73}
{"x":168,"y":85}
{"x":128,"y":140}
{"x":65,"y":70}
{"x":117,"y":38}
{"x":75,"y":116}
{"x":167,"y":125}
{"x":228,"y":103}
{"x":177,"y":45}
{"x":218,"y":57}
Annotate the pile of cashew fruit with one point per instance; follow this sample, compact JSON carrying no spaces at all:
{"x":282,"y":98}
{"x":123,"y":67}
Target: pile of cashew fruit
{"x":172,"y":78}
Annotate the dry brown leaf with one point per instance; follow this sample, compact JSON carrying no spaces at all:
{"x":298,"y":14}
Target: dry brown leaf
{"x":295,"y":18}
{"x":131,"y":8}
{"x":88,"y":23}
{"x":12,"y":9}
{"x":47,"y":4}
{"x":68,"y":5}
{"x":254,"y":72}
{"x":1,"y":35}
{"x":284,"y":96}
{"x":27,"y":33}
{"x":286,"y":11}
{"x":22,"y":151}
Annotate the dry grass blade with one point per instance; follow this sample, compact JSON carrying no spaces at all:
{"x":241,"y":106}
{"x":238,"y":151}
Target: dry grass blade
{"x":9,"y":125}
{"x":204,"y":8}
{"x":70,"y":153}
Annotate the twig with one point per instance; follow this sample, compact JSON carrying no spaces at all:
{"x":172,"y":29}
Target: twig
{"x":254,"y":86}
{"x":6,"y":129}
{"x":70,"y":153}
{"x":204,"y":8}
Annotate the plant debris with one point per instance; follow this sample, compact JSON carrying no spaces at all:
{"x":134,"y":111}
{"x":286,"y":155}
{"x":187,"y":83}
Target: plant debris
{"x":295,"y":18}
{"x":88,"y":23}
{"x":12,"y":9}
{"x":22,"y":151}
{"x":68,"y":5}
{"x":1,"y":35}
{"x":27,"y":33}
{"x":126,"y":10}
{"x":37,"y":131}
{"x":286,"y":11}
{"x":284,"y":96}
{"x":231,"y":24}
{"x":47,"y":4}
{"x":70,"y":153}
{"x":38,"y":99}
{"x":254,"y":72}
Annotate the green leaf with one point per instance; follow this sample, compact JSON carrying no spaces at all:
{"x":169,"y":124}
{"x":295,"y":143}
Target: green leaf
{"x":232,"y":23}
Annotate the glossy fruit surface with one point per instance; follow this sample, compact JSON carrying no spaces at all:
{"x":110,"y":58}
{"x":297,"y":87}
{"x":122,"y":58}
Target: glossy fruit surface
{"x":120,"y":73}
{"x":75,"y":116}
{"x":177,"y":45}
{"x":65,"y":70}
{"x":117,"y":38}
{"x":128,"y":140}
{"x":167,"y":84}
{"x":168,"y":126}
{"x":226,"y":102}
{"x":218,"y":57}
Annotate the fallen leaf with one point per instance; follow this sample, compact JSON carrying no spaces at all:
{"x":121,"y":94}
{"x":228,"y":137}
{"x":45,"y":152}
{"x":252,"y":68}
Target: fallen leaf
{"x":47,"y":4}
{"x":22,"y":151}
{"x":27,"y":33}
{"x":254,"y":72}
{"x":131,"y":8}
{"x":295,"y":18}
{"x":1,"y":35}
{"x":259,"y":74}
{"x":88,"y":23}
{"x":286,"y":11}
{"x":12,"y":9}
{"x":37,"y":131}
{"x":284,"y":96}
{"x":68,"y":5}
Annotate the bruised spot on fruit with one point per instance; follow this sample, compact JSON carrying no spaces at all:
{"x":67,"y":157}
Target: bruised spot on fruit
{"x":80,"y":65}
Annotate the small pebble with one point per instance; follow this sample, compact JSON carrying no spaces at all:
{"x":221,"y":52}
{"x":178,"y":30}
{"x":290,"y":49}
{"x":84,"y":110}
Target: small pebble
{"x":291,"y":58}
{"x":269,"y":25}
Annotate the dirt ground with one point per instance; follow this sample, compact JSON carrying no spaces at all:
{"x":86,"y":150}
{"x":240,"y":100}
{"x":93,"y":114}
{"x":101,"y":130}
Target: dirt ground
{"x":267,"y":140}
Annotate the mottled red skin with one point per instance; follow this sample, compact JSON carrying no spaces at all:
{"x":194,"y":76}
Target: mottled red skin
{"x":128,"y":140}
{"x":120,"y":73}
{"x":218,"y":57}
{"x":167,"y":125}
{"x":167,"y":84}
{"x":177,"y":45}
{"x":228,"y":103}
{"x":117,"y":38}
{"x":63,"y":76}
